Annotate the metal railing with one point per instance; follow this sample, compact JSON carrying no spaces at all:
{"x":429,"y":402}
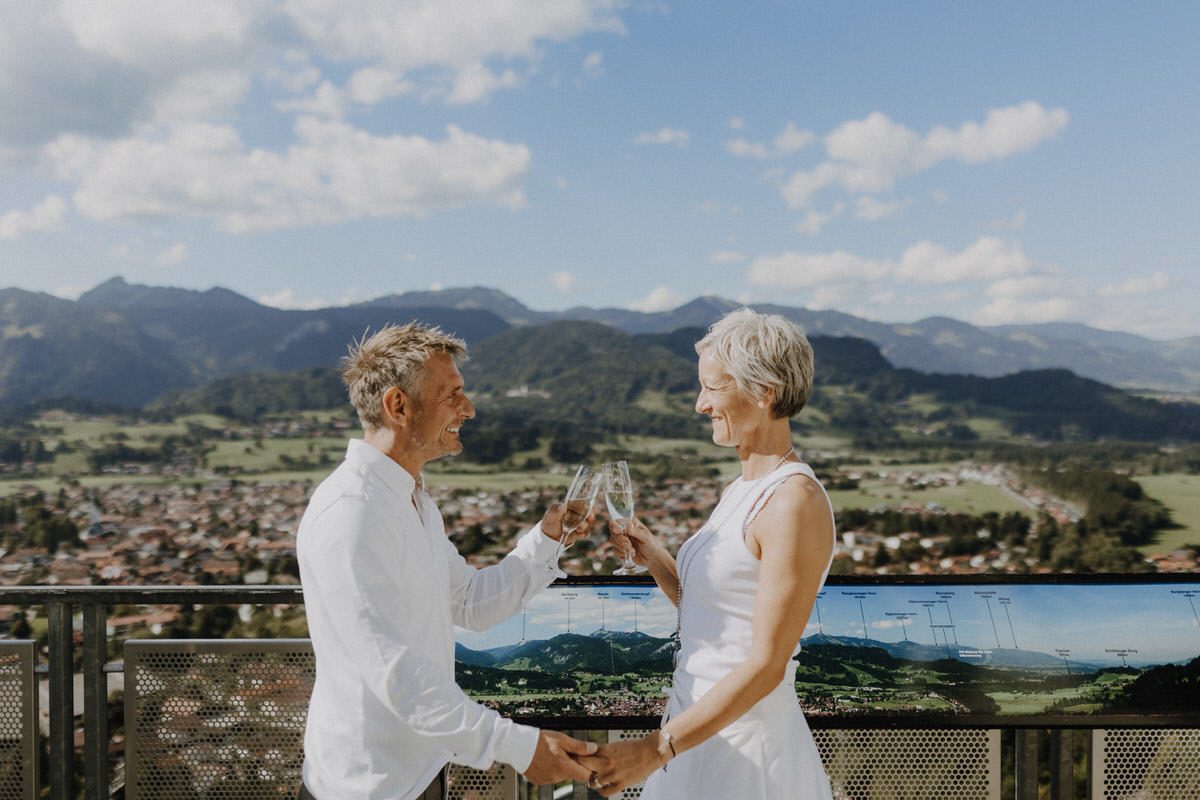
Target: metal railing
{"x":61,"y":605}
{"x":1116,"y":763}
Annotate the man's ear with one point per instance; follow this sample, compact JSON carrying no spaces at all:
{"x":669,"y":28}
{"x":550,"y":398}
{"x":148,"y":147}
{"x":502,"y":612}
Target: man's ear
{"x":396,"y":407}
{"x":768,"y":398}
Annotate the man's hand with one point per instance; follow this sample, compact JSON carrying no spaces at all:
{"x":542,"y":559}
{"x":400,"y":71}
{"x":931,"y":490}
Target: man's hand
{"x":552,"y":521}
{"x":553,"y":759}
{"x":619,"y":765}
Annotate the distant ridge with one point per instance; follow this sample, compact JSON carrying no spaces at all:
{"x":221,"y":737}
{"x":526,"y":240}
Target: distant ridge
{"x":127,"y":344}
{"x":968,"y":654}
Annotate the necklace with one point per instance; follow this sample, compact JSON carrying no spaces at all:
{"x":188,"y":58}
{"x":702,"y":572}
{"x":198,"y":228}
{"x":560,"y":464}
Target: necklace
{"x":684,"y":566}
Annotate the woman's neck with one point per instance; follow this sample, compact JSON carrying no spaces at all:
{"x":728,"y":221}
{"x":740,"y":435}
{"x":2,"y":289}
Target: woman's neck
{"x":763,"y":453}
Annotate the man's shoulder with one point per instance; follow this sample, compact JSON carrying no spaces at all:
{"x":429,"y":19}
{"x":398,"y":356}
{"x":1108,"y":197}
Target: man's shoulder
{"x":349,"y":484}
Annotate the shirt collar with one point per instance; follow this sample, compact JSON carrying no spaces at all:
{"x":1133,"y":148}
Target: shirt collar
{"x":396,"y":477}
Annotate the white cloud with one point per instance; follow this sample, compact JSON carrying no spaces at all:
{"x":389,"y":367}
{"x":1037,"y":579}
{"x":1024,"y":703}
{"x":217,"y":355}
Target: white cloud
{"x":1028,"y":299}
{"x":986,"y":259}
{"x":334,"y":172}
{"x":564,"y":282}
{"x":326,"y":100}
{"x":69,"y":292}
{"x":736,"y":123}
{"x":790,"y":140}
{"x":1137,"y":285}
{"x":812,"y":222}
{"x":593,"y":63}
{"x":1018,"y":310}
{"x":286,"y":298}
{"x":371,"y":85}
{"x":1025,"y":286}
{"x":434,"y":32}
{"x":939,"y":196}
{"x":105,"y":69}
{"x":474,"y":82}
{"x":173,"y":255}
{"x":838,"y":295}
{"x":1014,"y":223}
{"x":872,"y":208}
{"x":664,"y":136}
{"x":806,"y":270}
{"x":744,"y":148}
{"x":662,"y":298}
{"x":201,"y":95}
{"x":1005,"y":265}
{"x":870,"y":155}
{"x":726,"y":257}
{"x":46,"y":215}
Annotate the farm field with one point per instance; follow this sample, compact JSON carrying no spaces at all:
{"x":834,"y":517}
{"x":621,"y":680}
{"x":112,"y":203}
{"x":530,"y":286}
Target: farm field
{"x":1181,"y":494}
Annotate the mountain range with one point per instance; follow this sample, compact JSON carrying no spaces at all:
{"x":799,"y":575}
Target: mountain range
{"x":601,"y":651}
{"x":126,"y":345}
{"x":620,"y":651}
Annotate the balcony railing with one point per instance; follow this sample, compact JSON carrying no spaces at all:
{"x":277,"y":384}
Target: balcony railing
{"x":1156,"y":762}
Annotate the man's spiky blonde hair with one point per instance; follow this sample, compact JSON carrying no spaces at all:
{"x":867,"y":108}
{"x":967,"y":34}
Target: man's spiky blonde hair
{"x":395,"y":355}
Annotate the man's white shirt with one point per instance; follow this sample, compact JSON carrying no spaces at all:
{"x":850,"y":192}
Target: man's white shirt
{"x":383,"y":589}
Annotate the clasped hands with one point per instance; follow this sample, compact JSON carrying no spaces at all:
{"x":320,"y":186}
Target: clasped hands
{"x":619,"y":765}
{"x":607,"y":768}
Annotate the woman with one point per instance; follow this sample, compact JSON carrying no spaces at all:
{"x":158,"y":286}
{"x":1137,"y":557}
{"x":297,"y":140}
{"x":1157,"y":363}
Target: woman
{"x":744,"y":586}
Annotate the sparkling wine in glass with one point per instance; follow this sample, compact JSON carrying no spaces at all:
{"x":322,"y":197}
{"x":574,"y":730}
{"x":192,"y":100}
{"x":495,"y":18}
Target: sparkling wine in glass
{"x":578,"y":503}
{"x":618,"y":496}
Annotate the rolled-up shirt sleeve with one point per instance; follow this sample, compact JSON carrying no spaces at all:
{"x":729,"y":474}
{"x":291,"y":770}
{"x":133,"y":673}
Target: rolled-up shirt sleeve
{"x":367,"y":579}
{"x":481,"y":598}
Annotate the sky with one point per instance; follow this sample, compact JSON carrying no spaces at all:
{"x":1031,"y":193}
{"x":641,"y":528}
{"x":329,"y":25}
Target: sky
{"x":1151,"y":624}
{"x":998,"y":163}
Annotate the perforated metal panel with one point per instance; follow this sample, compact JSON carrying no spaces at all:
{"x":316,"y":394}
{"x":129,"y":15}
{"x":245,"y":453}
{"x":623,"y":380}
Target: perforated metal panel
{"x":214,"y":719}
{"x":1155,"y":764}
{"x":497,"y":783}
{"x":18,"y":721}
{"x":911,"y":764}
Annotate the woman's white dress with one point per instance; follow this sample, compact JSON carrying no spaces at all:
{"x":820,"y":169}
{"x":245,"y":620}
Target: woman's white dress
{"x":768,"y":753}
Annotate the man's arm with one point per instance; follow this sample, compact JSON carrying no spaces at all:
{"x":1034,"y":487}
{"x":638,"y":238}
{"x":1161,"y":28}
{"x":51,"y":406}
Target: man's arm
{"x":481,"y":598}
{"x":354,"y":570}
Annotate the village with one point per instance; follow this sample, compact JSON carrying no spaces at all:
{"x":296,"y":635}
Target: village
{"x":230,"y":531}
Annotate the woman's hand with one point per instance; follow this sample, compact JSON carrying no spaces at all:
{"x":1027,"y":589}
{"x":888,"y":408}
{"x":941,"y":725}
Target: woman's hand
{"x":619,"y":765}
{"x":636,"y":538}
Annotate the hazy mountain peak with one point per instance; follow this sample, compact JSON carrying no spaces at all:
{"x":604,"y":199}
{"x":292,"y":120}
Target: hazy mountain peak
{"x":117,"y":293}
{"x":462,"y":298}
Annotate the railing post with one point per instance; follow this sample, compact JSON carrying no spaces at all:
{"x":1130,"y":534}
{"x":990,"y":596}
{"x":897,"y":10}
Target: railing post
{"x":1062,"y":764}
{"x":1026,"y":755}
{"x":62,"y":701}
{"x":95,"y":702}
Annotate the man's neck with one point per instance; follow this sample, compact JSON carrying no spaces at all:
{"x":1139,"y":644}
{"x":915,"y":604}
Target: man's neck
{"x":386,"y":442}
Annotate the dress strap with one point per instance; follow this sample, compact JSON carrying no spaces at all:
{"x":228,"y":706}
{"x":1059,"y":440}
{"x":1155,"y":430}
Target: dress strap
{"x":781,"y":475}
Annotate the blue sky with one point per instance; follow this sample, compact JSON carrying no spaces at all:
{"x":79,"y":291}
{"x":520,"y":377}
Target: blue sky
{"x":1156,"y":623}
{"x":1001,"y":162}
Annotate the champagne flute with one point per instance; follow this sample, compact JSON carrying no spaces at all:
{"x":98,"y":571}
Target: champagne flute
{"x":578,"y":503}
{"x":618,"y":496}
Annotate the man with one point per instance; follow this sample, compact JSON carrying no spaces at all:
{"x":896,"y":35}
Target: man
{"x":384,"y":587}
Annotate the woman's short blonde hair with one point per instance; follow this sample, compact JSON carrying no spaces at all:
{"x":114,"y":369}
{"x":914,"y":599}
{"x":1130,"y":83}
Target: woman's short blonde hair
{"x":762,"y":352}
{"x":395,"y":355}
